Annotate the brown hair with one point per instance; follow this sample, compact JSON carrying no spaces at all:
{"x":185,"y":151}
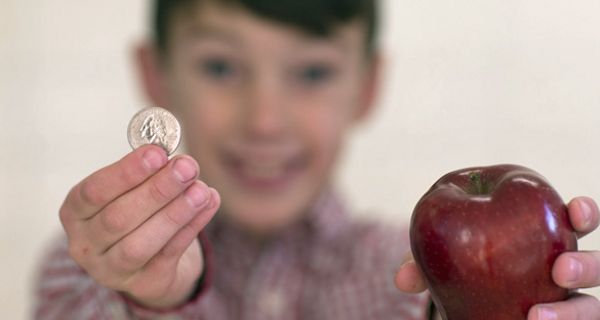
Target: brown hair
{"x":315,"y":17}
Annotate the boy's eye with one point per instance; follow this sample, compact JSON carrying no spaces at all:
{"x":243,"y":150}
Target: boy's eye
{"x":217,"y":68}
{"x":314,"y":74}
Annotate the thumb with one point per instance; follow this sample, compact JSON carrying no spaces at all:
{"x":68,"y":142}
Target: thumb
{"x":409,"y":278}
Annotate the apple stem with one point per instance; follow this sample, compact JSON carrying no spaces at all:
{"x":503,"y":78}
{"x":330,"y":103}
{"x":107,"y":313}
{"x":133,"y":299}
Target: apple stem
{"x":477,"y":183}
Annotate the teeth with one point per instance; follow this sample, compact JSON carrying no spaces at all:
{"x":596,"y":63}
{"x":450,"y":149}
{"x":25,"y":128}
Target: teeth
{"x":262,"y":171}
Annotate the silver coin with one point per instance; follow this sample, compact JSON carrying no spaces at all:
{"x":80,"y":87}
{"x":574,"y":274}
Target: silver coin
{"x":154,"y":126}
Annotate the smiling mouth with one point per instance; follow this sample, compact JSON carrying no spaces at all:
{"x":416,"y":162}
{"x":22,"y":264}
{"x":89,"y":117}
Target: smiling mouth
{"x":261,"y":172}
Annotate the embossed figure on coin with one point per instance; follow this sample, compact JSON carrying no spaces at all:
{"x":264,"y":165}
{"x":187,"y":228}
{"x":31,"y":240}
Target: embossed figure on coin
{"x":154,"y":126}
{"x":153,"y":130}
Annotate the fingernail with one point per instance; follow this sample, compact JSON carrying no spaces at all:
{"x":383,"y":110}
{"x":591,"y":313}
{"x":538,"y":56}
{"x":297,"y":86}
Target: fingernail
{"x":404,"y":264}
{"x":196,"y":195}
{"x":153,"y":160}
{"x":586,"y":212}
{"x":575,"y":270}
{"x":546,"y":313}
{"x":184,"y":170}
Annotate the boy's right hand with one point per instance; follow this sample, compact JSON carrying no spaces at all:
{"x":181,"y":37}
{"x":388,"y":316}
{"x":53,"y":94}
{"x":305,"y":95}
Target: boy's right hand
{"x":133,"y":226}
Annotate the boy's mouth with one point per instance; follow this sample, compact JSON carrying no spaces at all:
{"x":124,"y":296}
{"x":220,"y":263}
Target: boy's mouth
{"x":264,"y":172}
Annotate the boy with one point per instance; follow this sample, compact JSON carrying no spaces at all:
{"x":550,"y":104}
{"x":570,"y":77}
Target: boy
{"x":266,"y":91}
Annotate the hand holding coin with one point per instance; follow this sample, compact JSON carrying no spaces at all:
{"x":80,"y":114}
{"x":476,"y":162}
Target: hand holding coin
{"x":133,"y":225}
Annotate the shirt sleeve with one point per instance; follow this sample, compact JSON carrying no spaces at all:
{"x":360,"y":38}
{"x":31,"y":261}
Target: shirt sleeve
{"x":65,"y":291}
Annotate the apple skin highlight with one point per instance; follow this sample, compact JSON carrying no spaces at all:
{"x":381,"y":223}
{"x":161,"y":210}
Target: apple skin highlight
{"x":486,"y":238}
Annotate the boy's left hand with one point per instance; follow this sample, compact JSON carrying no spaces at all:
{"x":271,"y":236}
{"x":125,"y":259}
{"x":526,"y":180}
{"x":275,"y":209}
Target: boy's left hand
{"x":571,"y":270}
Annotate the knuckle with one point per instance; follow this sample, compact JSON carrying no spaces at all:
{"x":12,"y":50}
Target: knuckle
{"x":128,"y":175}
{"x":90,"y":193}
{"x":113,"y":221}
{"x":129,"y":257}
{"x":197,"y":224}
{"x":589,"y":305}
{"x":131,"y":174}
{"x":594,"y":268}
{"x":64,"y":215}
{"x":157,"y":192}
{"x":200,"y":221}
{"x":175,"y":218}
{"x":171,"y":251}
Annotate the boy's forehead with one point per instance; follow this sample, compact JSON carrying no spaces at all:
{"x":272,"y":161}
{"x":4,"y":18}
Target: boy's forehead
{"x":209,"y":19}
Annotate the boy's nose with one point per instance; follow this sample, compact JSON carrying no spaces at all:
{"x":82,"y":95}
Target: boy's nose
{"x":265,"y":111}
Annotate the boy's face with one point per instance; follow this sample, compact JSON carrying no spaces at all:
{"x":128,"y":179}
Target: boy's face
{"x":265,"y":108}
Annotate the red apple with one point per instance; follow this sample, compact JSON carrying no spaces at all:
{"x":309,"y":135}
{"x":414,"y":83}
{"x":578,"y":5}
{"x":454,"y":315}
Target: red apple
{"x":486,"y":238}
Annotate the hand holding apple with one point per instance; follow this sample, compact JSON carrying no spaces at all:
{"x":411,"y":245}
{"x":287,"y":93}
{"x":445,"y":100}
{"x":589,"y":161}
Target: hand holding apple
{"x":548,"y":225}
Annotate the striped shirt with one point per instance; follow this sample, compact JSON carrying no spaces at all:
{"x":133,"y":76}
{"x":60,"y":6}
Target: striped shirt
{"x":326,"y":266}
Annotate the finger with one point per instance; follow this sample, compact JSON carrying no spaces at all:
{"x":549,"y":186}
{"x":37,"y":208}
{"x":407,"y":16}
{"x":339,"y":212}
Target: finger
{"x":138,"y":247}
{"x":579,"y":306}
{"x":167,"y":258}
{"x":584,"y":215}
{"x":182,"y":239}
{"x":106,"y":184}
{"x":577,"y":269}
{"x":409,"y":278}
{"x":133,"y":208}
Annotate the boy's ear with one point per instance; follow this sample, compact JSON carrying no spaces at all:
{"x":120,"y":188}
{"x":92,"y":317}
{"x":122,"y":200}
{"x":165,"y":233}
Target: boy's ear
{"x":370,"y":88}
{"x":151,"y":74}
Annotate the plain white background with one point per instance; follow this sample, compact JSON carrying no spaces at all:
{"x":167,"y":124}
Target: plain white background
{"x":466,"y":83}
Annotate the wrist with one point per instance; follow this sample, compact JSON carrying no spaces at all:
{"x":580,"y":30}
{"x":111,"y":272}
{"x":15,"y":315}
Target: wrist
{"x":179,"y":294}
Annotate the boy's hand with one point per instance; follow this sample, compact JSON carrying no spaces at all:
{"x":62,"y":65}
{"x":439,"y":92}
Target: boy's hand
{"x":571,"y":270}
{"x":133,"y":225}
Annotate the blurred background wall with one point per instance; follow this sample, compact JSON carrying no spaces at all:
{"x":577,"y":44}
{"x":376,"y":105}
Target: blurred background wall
{"x":466,"y":83}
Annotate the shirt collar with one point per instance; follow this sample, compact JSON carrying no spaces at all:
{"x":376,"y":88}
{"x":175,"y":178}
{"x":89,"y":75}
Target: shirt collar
{"x":328,"y":216}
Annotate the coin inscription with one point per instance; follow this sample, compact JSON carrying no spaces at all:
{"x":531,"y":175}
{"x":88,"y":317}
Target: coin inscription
{"x":154,"y":126}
